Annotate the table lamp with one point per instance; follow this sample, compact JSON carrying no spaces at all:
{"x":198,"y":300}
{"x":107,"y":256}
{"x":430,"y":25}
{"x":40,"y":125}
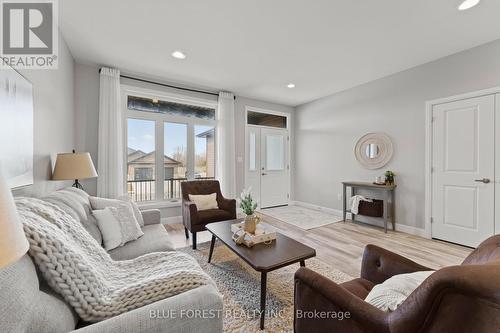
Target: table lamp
{"x":13,"y":242}
{"x":75,"y":166}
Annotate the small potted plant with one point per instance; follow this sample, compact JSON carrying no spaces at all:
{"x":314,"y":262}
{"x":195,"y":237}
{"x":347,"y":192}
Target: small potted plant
{"x":389,"y":177}
{"x":248,"y":205}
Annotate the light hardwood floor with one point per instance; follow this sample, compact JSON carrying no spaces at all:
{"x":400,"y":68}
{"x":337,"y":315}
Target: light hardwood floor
{"x":341,"y":244}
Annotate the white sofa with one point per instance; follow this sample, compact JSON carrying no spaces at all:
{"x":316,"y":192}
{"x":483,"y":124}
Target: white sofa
{"x":27,"y":304}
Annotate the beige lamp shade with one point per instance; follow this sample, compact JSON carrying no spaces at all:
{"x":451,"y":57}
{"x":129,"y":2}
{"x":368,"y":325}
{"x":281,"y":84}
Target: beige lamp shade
{"x":71,"y":166}
{"x":13,"y":242}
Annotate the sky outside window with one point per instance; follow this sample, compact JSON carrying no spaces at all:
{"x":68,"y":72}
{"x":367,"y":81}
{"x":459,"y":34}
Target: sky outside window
{"x":141,"y":136}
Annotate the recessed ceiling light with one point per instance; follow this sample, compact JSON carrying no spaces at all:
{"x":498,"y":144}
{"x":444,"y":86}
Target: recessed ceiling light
{"x":467,"y":4}
{"x":290,"y":85}
{"x":178,"y":55}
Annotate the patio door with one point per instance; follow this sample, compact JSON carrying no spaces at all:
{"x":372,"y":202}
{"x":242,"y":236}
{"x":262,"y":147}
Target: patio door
{"x":267,"y":164}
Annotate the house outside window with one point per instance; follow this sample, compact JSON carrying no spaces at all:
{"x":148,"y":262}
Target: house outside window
{"x":205,"y":152}
{"x":169,"y":140}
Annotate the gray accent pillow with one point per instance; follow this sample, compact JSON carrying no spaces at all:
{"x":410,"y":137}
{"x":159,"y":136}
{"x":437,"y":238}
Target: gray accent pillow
{"x":118,"y":226}
{"x":137,"y":212}
{"x":101,"y":203}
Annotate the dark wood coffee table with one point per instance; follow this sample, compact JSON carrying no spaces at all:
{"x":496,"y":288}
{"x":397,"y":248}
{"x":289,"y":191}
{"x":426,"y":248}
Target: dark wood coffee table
{"x":263,"y":258}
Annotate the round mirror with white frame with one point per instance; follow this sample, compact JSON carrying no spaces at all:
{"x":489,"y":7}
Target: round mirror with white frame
{"x":374,"y":150}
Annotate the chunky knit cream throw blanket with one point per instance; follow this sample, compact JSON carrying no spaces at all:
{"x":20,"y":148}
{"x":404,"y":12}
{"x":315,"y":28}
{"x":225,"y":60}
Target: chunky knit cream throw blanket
{"x":95,"y":285}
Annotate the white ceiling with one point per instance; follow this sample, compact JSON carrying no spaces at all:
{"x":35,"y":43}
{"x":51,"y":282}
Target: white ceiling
{"x":255,"y":47}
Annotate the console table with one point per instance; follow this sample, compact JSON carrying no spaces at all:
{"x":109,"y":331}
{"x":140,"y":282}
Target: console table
{"x":388,"y":192}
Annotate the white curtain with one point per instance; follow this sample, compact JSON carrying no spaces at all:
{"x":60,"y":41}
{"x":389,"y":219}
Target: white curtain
{"x":110,"y":163}
{"x":226,"y":155}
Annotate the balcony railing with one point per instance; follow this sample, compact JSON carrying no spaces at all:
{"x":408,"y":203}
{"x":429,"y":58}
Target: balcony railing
{"x":172,"y":188}
{"x":141,"y":190}
{"x":144,"y":190}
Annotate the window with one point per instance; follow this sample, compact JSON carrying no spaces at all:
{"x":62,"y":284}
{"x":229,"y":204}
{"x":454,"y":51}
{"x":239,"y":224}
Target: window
{"x":143,"y":174}
{"x":252,"y":152}
{"x":204,"y":152}
{"x":169,"y":108}
{"x":169,"y":173}
{"x":141,"y":159}
{"x":168,"y":143}
{"x":175,"y":147}
{"x":265,"y":119}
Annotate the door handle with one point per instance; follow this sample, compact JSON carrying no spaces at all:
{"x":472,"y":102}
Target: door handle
{"x":263,"y":174}
{"x":484,"y":180}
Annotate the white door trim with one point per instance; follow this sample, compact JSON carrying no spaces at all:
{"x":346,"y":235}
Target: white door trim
{"x":289,"y":146}
{"x":428,"y":149}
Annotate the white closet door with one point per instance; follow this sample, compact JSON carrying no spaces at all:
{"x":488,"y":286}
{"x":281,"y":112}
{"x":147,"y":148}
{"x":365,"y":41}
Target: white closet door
{"x":463,"y":176}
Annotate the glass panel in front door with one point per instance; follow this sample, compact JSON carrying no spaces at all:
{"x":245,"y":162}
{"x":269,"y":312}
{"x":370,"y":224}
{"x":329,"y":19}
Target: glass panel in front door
{"x":252,"y":153}
{"x":275,"y":152}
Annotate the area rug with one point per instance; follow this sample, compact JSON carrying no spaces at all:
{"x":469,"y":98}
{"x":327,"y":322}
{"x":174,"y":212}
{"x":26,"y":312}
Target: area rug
{"x":240,"y":286}
{"x":301,"y":217}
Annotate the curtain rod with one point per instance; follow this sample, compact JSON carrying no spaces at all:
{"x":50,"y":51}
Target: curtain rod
{"x":168,"y":85}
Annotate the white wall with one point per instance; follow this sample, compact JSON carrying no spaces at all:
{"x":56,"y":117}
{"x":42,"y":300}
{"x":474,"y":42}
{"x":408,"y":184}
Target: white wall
{"x":54,"y":120}
{"x":327,"y":129}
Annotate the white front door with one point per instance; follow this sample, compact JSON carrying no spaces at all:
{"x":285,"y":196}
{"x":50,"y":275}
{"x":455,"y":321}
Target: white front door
{"x":274,"y":167}
{"x":463,"y":178}
{"x":267,"y":164}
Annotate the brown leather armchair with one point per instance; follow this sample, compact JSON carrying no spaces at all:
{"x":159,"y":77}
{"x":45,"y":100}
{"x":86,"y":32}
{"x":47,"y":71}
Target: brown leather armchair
{"x":195,"y":220}
{"x":464,"y":298}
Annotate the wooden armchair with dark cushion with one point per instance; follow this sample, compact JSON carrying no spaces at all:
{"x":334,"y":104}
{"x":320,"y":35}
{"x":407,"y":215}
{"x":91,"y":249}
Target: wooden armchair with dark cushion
{"x":195,"y":220}
{"x":464,"y":298}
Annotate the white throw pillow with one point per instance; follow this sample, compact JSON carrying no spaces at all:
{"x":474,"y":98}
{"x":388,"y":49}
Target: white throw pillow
{"x":204,"y":202}
{"x":388,"y":295}
{"x":137,"y":211}
{"x":110,"y":228}
{"x":118,"y":225}
{"x":101,"y":203}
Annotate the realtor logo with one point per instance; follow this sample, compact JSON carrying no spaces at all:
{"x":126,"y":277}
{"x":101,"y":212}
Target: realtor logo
{"x":29,"y":36}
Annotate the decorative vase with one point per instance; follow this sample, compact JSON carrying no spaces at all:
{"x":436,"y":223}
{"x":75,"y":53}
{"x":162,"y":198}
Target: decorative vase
{"x":389,"y":180}
{"x":251,"y":222}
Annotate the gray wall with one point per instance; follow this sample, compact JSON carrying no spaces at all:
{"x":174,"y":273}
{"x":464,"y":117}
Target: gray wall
{"x":327,"y":129}
{"x":54,"y":120}
{"x":87,"y":115}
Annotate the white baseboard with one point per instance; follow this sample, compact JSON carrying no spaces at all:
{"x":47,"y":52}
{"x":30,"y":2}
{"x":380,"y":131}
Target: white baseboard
{"x":411,"y":230}
{"x":399,"y":227}
{"x":171,"y":220}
